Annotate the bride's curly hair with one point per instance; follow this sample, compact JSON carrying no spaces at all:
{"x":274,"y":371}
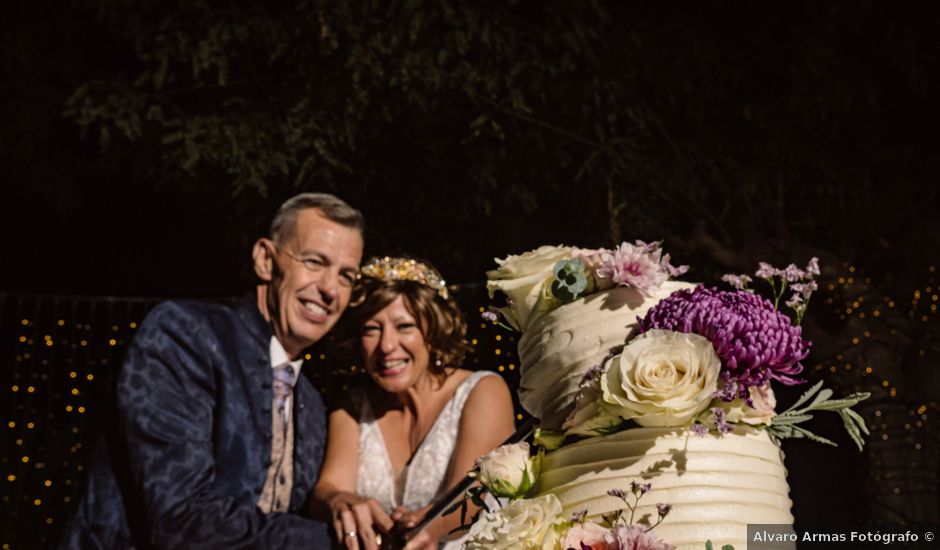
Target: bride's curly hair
{"x":439,"y":319}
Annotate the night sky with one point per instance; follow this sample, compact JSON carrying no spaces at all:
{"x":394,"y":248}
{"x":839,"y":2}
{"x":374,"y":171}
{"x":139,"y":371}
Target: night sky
{"x":91,"y":220}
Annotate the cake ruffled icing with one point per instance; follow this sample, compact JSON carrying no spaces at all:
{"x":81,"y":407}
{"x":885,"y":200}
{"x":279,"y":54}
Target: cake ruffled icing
{"x":656,"y":398}
{"x":716,"y":485}
{"x":560,"y":346}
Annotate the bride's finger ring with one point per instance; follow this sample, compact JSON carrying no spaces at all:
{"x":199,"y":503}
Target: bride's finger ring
{"x":350,"y":534}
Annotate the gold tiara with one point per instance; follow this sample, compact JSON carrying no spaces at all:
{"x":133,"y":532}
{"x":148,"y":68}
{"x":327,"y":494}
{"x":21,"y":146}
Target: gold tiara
{"x":405,"y":269}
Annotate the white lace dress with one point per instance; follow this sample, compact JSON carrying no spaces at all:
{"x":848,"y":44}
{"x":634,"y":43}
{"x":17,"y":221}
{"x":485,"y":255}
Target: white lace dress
{"x":429,"y":464}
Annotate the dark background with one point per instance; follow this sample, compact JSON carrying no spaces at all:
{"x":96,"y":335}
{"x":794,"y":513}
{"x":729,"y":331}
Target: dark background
{"x":145,"y":145}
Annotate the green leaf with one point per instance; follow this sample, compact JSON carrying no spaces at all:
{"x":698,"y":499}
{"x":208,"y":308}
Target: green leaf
{"x":813,"y":437}
{"x":859,"y":421}
{"x":805,"y":397}
{"x":823,"y":395}
{"x":791,"y":418}
{"x":784,"y":425}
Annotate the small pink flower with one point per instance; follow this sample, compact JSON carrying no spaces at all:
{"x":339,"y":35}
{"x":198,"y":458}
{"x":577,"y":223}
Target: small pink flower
{"x":587,"y":534}
{"x":813,"y":266}
{"x":737,"y":281}
{"x":805,"y":289}
{"x":795,"y":301}
{"x":792,"y":274}
{"x":633,"y":266}
{"x":670,"y":269}
{"x":700,"y":430}
{"x":765,"y":271}
{"x":720,"y":420}
{"x":636,"y":538}
{"x":762,"y":399}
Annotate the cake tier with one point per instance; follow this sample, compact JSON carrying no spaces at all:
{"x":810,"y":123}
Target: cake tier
{"x":716,"y":485}
{"x":563,"y":344}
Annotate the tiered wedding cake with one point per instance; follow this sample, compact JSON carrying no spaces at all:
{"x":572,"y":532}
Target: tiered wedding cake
{"x":654,"y":399}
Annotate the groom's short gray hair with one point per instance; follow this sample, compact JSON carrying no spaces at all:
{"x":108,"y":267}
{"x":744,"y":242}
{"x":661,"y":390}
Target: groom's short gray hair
{"x":333,"y":208}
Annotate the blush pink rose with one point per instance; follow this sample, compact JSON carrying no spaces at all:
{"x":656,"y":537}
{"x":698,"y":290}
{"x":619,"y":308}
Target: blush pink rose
{"x":587,"y":533}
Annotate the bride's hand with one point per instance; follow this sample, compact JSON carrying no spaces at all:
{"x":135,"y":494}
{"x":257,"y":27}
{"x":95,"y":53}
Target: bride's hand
{"x":427,"y":538}
{"x":356,"y":520}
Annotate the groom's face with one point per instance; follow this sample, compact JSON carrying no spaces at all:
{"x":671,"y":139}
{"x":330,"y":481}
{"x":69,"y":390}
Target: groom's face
{"x":314,"y":270}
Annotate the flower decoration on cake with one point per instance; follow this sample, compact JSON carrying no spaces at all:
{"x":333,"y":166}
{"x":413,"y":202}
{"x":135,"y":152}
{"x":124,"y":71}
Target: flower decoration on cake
{"x":537,"y":523}
{"x":756,"y":342}
{"x":540,"y":280}
{"x":641,"y":266}
{"x":624,"y":362}
{"x":522,"y":524}
{"x":745,"y":341}
{"x":508,"y":471}
{"x":661,"y":378}
{"x":526,"y":281}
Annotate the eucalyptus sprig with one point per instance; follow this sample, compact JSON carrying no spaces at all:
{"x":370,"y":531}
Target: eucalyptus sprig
{"x":785,"y":425}
{"x":572,"y":280}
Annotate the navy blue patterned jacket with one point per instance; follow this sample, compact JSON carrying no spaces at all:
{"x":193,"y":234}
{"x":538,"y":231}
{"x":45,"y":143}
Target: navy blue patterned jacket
{"x":194,"y":400}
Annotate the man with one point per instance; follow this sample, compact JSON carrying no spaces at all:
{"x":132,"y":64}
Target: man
{"x":221,"y":448}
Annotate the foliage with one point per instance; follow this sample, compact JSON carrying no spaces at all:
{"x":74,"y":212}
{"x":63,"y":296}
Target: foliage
{"x":786,"y":424}
{"x":715,"y":126}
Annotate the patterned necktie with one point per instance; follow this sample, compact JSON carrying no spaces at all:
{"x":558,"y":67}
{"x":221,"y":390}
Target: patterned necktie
{"x":283,"y":385}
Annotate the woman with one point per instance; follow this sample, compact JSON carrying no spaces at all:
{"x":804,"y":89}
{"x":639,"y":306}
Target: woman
{"x":420,"y":422}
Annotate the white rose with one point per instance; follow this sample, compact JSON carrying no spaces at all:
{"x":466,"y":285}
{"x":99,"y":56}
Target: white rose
{"x":526,"y":524}
{"x":764,"y":401}
{"x":523,"y":279}
{"x":508,"y":471}
{"x":662,"y":378}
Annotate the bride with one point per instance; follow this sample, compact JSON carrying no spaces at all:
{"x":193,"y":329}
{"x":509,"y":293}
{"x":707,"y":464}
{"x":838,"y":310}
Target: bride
{"x":415,"y":429}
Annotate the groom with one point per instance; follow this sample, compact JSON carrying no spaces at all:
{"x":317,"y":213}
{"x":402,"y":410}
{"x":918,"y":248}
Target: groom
{"x":222,"y":439}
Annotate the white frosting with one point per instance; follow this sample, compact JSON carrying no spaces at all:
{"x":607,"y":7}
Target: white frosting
{"x":715,"y":484}
{"x":561,"y":346}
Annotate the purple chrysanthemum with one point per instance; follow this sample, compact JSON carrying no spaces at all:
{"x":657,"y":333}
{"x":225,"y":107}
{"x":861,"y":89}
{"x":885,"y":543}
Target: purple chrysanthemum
{"x":755,"y":342}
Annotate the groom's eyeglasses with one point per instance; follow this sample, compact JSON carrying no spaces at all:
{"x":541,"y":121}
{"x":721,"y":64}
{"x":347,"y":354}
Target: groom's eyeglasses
{"x":316,"y":264}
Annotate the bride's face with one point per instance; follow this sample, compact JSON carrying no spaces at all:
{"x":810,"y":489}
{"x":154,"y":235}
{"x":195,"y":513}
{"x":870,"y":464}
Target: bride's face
{"x":394,"y":349}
